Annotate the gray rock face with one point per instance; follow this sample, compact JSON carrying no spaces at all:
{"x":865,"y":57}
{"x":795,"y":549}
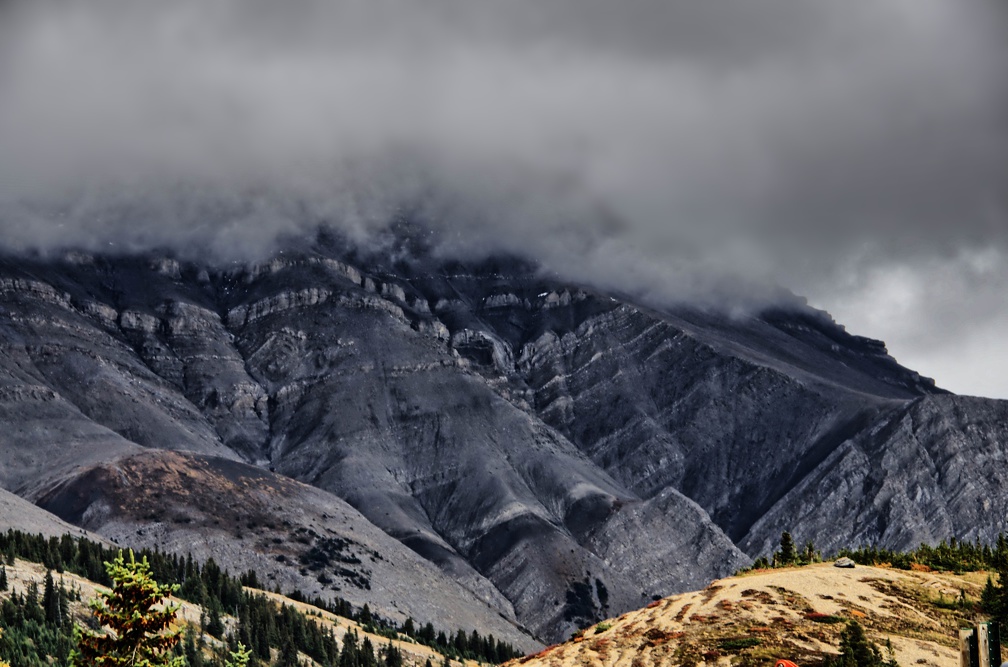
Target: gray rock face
{"x":934,"y":468}
{"x":559,"y":455}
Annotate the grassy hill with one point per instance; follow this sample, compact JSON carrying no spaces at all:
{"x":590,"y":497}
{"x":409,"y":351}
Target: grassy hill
{"x":791,"y":613}
{"x":22,"y":577}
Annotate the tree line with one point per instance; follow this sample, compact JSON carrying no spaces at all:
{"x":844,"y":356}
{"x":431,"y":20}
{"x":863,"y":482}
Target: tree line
{"x":261,"y":625}
{"x":948,"y":556}
{"x":36,"y":624}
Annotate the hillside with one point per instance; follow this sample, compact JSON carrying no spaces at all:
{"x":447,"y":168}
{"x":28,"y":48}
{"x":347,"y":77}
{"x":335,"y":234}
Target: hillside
{"x":23,"y":574}
{"x":794,"y":613}
{"x":292,"y":535}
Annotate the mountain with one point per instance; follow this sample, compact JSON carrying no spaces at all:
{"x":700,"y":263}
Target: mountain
{"x":540,"y":453}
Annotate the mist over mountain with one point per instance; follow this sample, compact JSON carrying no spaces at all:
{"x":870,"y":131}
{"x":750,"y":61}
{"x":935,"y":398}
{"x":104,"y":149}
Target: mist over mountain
{"x":851,"y":153}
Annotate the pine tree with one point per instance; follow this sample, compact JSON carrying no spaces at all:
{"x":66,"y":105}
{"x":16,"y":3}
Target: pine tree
{"x":239,"y":657}
{"x":989,"y":597}
{"x":787,"y":549}
{"x":214,"y":625}
{"x":3,"y":577}
{"x":64,"y":602}
{"x":288,"y":654}
{"x":393,"y":658}
{"x":367,"y":656}
{"x":192,"y":652}
{"x":994,"y":599}
{"x":348,"y":656}
{"x":857,"y":651}
{"x":4,"y":664}
{"x":51,"y":602}
{"x":461,"y":643}
{"x":139,"y":636}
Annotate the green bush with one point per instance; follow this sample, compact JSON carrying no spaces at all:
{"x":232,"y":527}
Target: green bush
{"x":739,"y":643}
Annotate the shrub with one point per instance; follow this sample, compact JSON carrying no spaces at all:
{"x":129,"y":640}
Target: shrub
{"x":739,"y":643}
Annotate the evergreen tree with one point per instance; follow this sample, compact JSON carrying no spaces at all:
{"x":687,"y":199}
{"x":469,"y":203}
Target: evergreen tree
{"x":994,"y":599}
{"x":461,"y":643}
{"x":787,"y":549}
{"x":239,"y":657}
{"x":138,"y":636}
{"x":989,"y":597}
{"x":32,"y":594}
{"x":393,"y":658}
{"x":3,"y":577}
{"x":857,"y":651}
{"x":367,"y":656}
{"x":193,"y":653}
{"x":64,"y":603}
{"x":349,"y":654}
{"x":214,"y":625}
{"x":51,"y":602}
{"x":288,"y":654}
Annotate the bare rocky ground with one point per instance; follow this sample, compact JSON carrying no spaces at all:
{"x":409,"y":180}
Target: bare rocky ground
{"x":794,"y":613}
{"x":19,"y":514}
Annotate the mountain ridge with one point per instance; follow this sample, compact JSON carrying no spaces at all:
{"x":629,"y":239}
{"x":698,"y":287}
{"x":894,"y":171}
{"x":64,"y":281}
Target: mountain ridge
{"x":521,"y":434}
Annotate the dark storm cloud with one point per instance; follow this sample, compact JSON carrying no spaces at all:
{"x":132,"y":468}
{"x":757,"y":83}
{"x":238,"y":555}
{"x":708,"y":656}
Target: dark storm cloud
{"x":644,"y":145}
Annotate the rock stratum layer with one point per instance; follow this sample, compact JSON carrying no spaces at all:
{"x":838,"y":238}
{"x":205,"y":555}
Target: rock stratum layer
{"x":534,"y":456}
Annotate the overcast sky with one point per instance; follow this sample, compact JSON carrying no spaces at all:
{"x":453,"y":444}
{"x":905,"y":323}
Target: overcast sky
{"x":855,"y":152}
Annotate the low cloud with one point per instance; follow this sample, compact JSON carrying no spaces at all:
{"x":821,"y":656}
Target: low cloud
{"x":654,"y":147}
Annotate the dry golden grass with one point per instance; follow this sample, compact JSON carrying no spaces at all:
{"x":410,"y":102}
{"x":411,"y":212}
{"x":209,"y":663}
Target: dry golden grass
{"x":792,"y":613}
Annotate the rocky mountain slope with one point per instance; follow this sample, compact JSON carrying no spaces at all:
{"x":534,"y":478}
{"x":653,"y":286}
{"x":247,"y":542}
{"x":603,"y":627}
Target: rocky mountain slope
{"x":794,"y":614}
{"x":19,"y":514}
{"x":294,"y":536}
{"x":561,"y":455}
